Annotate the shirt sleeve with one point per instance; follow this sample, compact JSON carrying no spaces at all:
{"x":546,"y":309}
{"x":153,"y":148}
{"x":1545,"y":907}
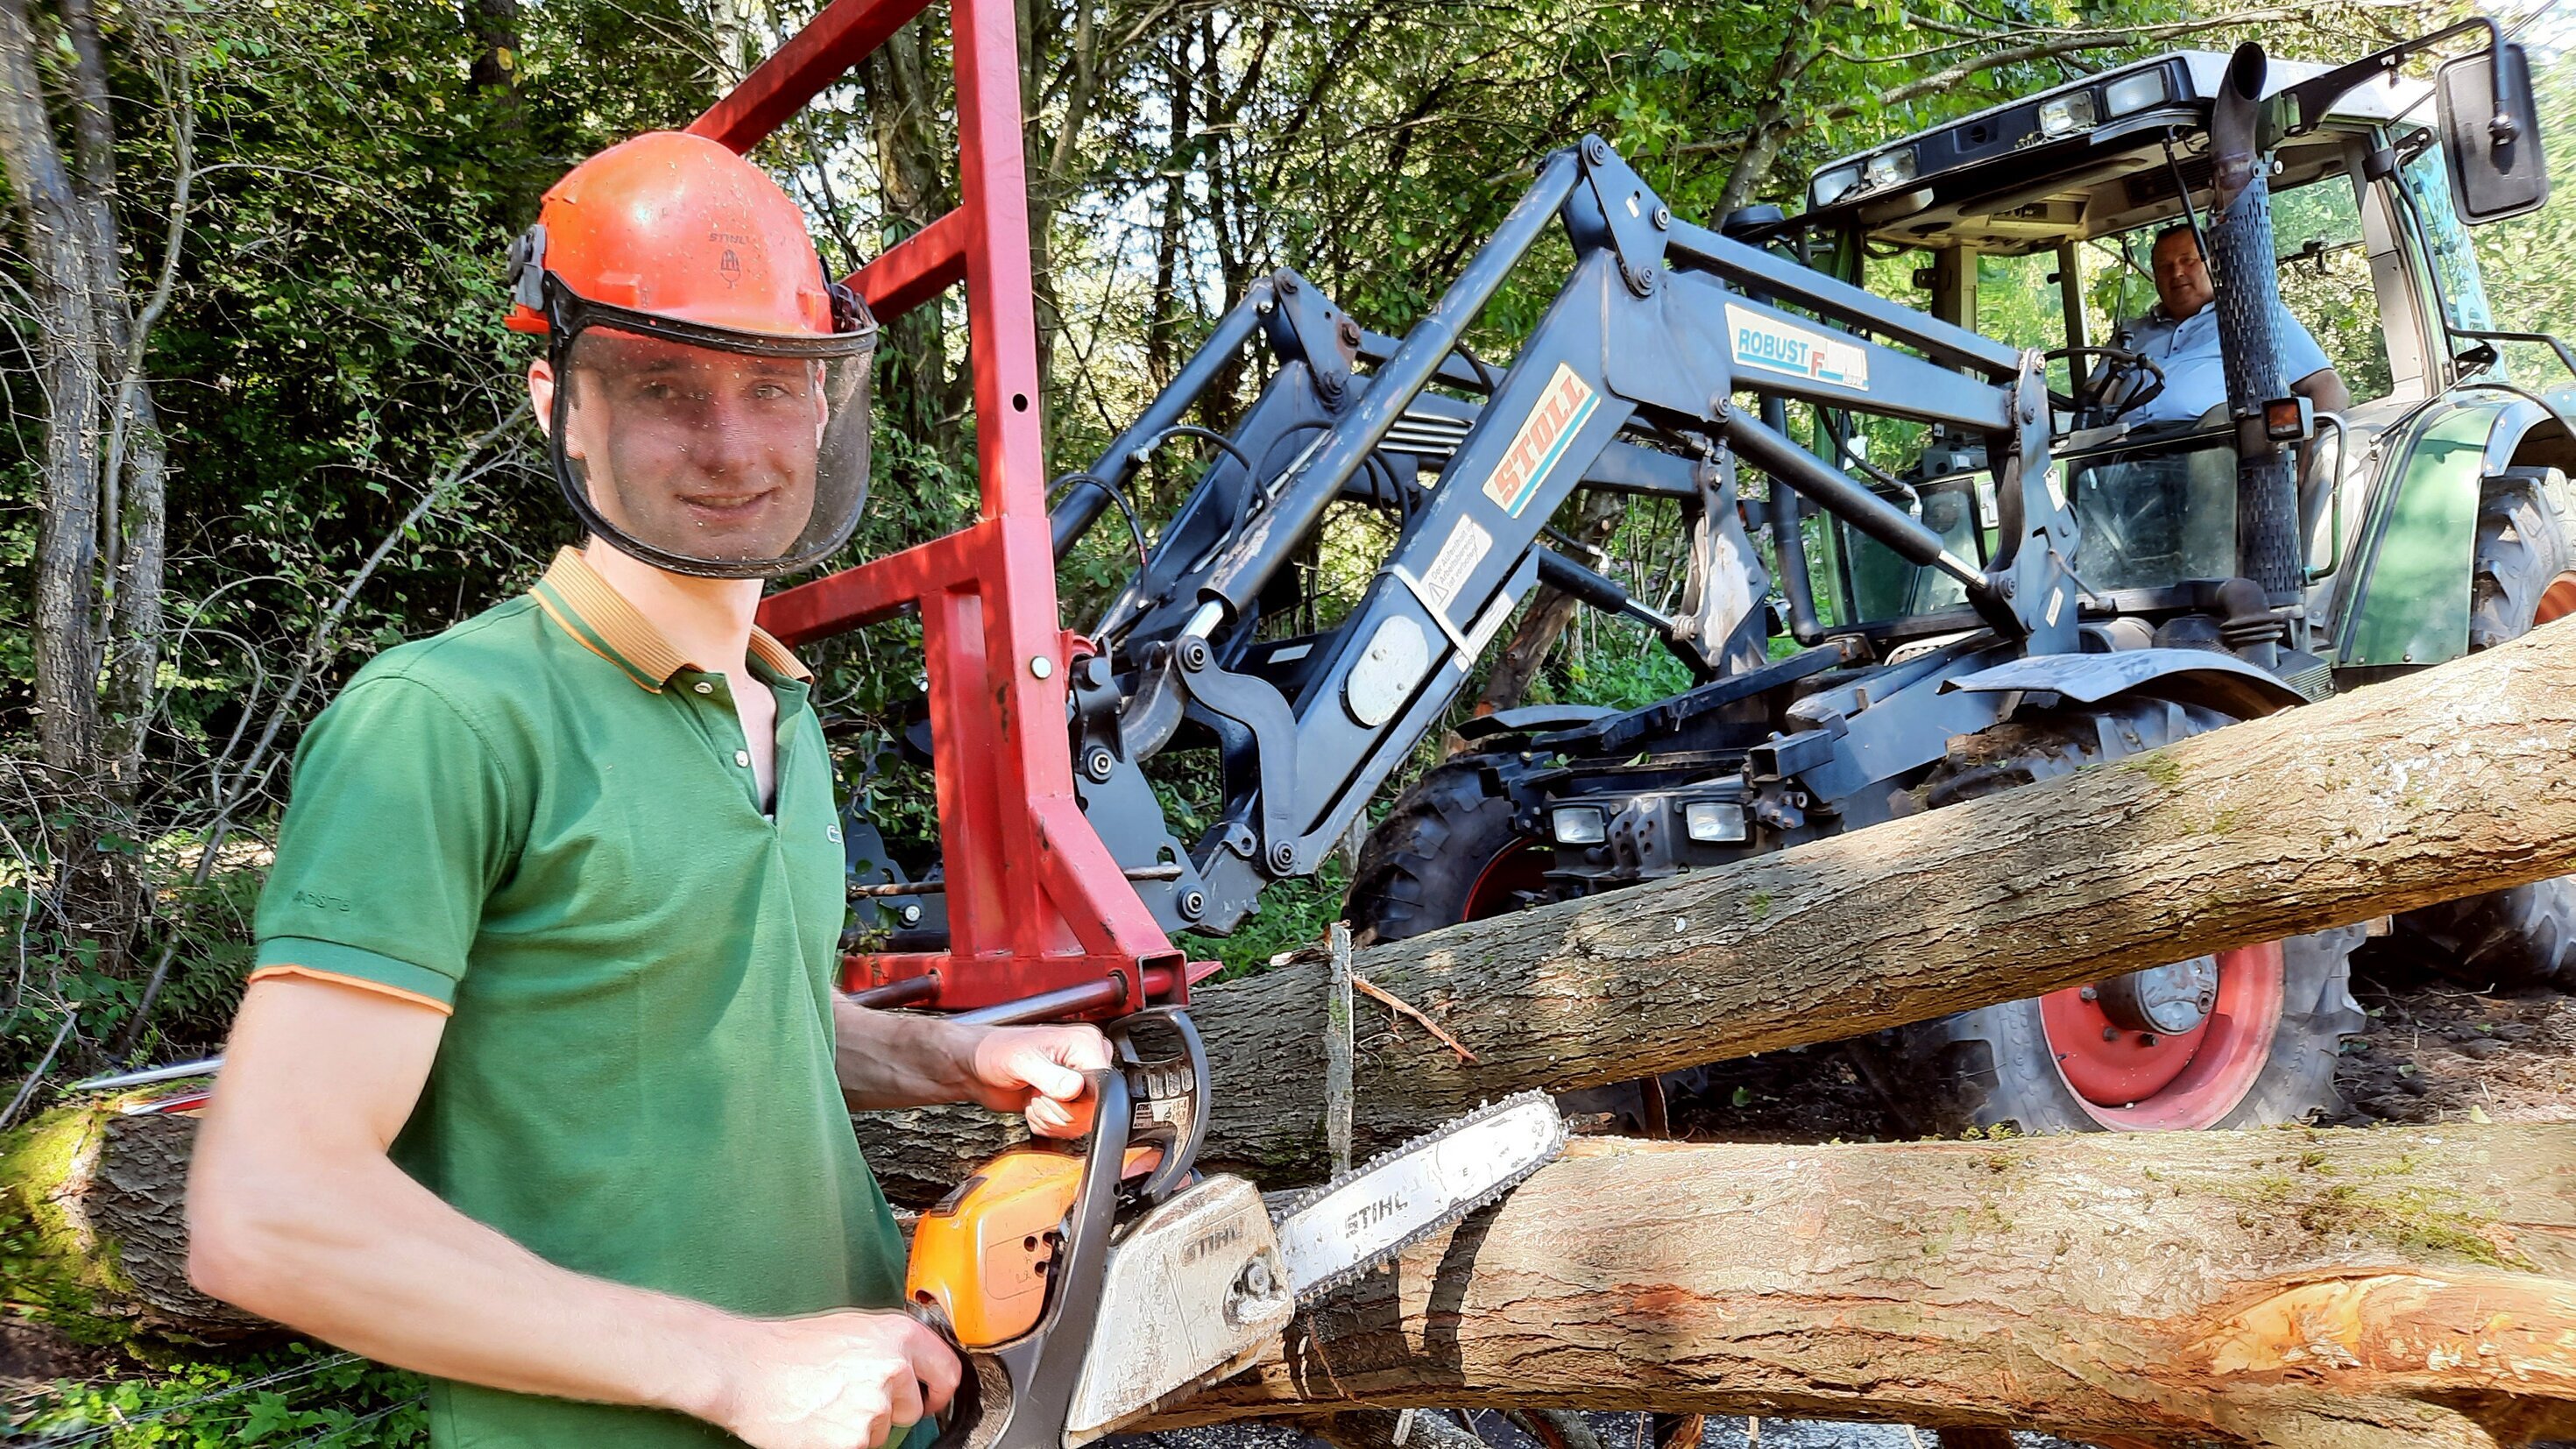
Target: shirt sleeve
{"x":2300,"y":354}
{"x":400,"y":823}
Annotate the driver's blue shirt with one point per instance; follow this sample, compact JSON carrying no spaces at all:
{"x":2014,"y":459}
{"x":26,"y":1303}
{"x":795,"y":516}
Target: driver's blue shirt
{"x":2195,"y":374}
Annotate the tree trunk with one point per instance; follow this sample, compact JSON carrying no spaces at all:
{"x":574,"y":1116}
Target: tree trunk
{"x":2449,"y":783}
{"x":2324,"y":1289}
{"x":72,"y":342}
{"x":1550,"y":610}
{"x":2321,"y":1289}
{"x":1773,"y":117}
{"x":93,"y":1201}
{"x":915,"y":389}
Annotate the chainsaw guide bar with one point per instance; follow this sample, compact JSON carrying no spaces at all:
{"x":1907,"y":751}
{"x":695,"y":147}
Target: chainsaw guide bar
{"x":1339,"y":1232}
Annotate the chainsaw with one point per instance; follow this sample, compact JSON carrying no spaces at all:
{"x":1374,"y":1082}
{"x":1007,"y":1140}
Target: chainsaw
{"x":1086,"y":1289}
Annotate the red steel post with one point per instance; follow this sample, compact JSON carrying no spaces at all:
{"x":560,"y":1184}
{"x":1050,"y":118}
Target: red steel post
{"x":1036,"y":904}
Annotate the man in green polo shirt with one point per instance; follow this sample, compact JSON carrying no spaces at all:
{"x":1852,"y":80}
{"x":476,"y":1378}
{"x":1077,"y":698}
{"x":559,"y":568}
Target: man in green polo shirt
{"x":540,"y":1084}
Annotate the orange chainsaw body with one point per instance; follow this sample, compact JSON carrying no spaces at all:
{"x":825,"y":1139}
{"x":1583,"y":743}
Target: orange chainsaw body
{"x":982,"y":1256}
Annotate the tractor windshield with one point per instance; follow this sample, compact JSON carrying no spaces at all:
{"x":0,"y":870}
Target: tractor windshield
{"x":2151,"y":481}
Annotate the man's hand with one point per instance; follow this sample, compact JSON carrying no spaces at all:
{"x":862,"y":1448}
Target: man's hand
{"x":831,"y":1381}
{"x":1037,"y":1072}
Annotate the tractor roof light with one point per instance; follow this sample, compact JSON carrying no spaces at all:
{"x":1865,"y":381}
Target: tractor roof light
{"x":2067,"y":115}
{"x":2134,"y":92}
{"x":1832,"y":186}
{"x":1889,"y":168}
{"x":1578,"y":825}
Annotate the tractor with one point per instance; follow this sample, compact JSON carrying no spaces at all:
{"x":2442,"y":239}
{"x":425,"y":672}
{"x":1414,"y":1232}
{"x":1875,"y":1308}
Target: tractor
{"x":2322,"y":550}
{"x":1982,"y":579}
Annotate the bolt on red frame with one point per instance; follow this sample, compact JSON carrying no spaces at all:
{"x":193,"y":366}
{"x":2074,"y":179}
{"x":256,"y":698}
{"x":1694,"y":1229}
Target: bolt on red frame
{"x":1043,"y":924}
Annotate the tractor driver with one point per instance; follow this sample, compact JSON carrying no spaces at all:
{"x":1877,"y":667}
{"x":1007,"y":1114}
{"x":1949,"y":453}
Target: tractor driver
{"x":2181,"y":334}
{"x":539,"y":1085}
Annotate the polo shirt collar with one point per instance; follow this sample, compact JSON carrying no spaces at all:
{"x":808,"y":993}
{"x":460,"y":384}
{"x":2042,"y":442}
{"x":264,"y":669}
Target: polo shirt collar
{"x":600,"y":619}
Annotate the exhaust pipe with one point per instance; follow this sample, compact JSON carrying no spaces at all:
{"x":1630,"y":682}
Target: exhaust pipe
{"x":2268,"y":546}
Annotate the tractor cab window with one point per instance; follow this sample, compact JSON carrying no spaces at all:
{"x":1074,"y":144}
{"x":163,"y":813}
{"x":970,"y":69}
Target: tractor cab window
{"x":2446,"y":238}
{"x":2151,"y":517}
{"x":2325,"y":280}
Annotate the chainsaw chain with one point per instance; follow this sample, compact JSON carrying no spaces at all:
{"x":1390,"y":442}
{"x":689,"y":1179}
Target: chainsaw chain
{"x":1296,"y":1202}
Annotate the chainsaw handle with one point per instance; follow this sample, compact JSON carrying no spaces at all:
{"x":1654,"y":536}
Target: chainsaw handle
{"x":1018,"y":1395}
{"x":1181,"y":1139}
{"x":966,"y":1405}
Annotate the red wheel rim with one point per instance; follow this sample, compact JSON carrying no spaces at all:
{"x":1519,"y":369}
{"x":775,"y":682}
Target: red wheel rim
{"x":2557,"y":601}
{"x":1497,"y":889}
{"x":2180,"y":1083}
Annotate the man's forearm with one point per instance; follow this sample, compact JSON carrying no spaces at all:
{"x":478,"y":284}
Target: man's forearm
{"x":888,"y":1060}
{"x":358,"y":1254}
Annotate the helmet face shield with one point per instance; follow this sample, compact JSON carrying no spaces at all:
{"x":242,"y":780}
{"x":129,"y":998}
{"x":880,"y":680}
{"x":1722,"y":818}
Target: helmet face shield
{"x":709,"y":451}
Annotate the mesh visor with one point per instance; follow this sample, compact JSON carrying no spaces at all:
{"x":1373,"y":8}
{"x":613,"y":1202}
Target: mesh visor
{"x":708,"y":452}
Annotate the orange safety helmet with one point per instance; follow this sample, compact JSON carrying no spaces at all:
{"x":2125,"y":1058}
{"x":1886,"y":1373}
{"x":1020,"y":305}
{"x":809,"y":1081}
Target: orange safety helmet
{"x":721,"y":428}
{"x":681,"y":227}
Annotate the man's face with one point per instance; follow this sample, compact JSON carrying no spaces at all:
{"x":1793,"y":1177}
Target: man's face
{"x":698,"y":452}
{"x":2182,"y":279}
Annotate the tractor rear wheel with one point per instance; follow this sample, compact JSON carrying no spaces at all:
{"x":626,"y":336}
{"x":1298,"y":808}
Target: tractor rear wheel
{"x":2525,"y":577}
{"x":2244,"y":1038}
{"x":1446,"y":853}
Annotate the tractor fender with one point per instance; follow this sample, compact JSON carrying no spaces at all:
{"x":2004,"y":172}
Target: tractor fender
{"x":2221,"y":682}
{"x":2401,"y":594}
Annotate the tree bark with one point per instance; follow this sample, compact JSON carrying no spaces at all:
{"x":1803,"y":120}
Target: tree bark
{"x":2323,"y":1289}
{"x":55,"y":226}
{"x":95,"y":1201}
{"x":2446,"y":784}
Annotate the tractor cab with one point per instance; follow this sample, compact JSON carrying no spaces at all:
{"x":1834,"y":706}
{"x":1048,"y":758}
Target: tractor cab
{"x":2037,"y":223}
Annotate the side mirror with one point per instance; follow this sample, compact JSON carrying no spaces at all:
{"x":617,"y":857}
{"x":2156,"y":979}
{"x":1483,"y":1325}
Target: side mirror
{"x":2491,"y":135}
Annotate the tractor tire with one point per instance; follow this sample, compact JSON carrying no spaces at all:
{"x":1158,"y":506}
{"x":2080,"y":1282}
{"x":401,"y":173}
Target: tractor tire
{"x":2265,"y":1050}
{"x":1446,"y":853}
{"x":2525,"y":576}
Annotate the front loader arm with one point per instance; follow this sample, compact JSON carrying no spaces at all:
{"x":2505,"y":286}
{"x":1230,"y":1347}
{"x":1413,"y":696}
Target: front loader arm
{"x":1653,"y":336}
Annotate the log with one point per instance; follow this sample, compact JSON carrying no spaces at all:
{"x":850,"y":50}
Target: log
{"x":2443,"y":784}
{"x":96,"y":1202}
{"x":2319,"y":1288}
{"x":2328,"y":1288}
{"x":2302,"y":1288}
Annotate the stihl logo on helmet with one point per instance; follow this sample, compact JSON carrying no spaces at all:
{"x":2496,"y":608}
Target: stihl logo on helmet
{"x":704,"y":389}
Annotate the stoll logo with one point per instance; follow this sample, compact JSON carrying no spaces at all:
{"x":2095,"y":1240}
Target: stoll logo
{"x":1561,"y":410}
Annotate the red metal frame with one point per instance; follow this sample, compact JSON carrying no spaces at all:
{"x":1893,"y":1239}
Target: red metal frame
{"x":1035,"y":902}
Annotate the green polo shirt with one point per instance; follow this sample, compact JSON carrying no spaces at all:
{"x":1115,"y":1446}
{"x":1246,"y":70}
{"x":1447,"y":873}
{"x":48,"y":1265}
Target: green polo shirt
{"x":543,"y":822}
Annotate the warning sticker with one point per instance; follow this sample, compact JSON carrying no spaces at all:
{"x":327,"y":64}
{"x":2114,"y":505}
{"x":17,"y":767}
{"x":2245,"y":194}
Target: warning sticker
{"x":1561,"y":411}
{"x":1457,"y":559}
{"x":1768,"y":343}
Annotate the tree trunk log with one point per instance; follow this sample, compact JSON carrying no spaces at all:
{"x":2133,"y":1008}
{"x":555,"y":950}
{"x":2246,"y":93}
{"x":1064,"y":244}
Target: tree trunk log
{"x":2324,"y":1289}
{"x":98,"y":1199}
{"x":2449,"y":783}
